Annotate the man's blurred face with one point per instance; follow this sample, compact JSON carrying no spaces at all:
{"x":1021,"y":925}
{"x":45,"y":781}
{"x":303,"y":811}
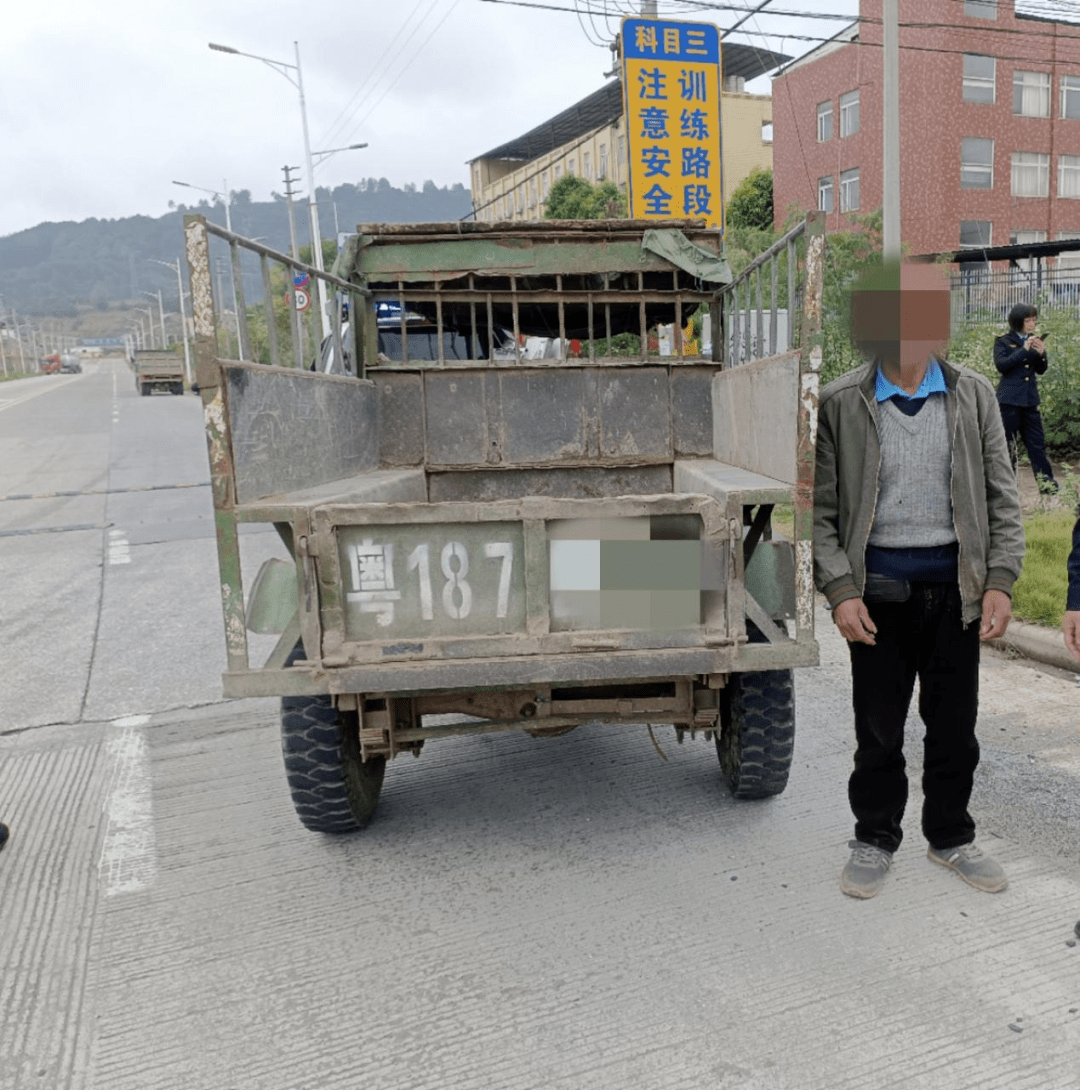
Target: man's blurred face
{"x":904,"y":328}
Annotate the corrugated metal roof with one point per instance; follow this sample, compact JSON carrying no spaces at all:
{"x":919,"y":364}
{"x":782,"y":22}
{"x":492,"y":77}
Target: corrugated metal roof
{"x":605,"y":106}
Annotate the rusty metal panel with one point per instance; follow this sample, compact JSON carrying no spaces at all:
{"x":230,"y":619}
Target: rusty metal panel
{"x":691,"y":410}
{"x":576,"y":483}
{"x":755,"y":410}
{"x":548,"y":416}
{"x":297,"y":429}
{"x":455,"y":418}
{"x":635,"y":414}
{"x":401,"y":419}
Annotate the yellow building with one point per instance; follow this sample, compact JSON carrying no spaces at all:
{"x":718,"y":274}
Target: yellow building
{"x":512,"y":181}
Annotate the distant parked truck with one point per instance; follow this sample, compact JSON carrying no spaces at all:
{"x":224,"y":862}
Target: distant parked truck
{"x":158,"y":369}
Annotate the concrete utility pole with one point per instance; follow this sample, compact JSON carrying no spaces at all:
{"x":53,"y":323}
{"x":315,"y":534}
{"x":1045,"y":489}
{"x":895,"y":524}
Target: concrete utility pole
{"x":289,"y":194}
{"x":175,"y":266}
{"x":890,"y":152}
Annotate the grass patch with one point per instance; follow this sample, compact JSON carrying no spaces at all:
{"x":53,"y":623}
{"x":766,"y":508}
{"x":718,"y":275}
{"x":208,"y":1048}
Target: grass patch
{"x":1039,"y":593}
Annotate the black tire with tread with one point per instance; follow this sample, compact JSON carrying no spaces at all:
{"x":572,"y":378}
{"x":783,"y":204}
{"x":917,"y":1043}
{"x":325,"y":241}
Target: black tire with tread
{"x":756,"y":741}
{"x":333,"y":790}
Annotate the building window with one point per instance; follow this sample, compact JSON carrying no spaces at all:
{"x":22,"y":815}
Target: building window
{"x":622,"y":149}
{"x":849,"y":113}
{"x":586,"y":160}
{"x":975,"y":232}
{"x":546,"y":182}
{"x":1070,"y":97}
{"x":980,"y":78}
{"x":976,"y":163}
{"x":1071,"y":258}
{"x":1026,"y":238}
{"x":1031,"y":94}
{"x":824,"y":121}
{"x":603,"y":162}
{"x":825,"y":194}
{"x":1030,"y":174}
{"x":558,"y":171}
{"x":570,"y":167}
{"x":766,"y":132}
{"x":849,"y":190}
{"x":1069,"y":176}
{"x":981,"y":9}
{"x":532,"y":195}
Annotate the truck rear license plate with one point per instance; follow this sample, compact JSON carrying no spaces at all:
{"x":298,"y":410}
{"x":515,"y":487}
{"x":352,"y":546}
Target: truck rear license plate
{"x":432,"y":580}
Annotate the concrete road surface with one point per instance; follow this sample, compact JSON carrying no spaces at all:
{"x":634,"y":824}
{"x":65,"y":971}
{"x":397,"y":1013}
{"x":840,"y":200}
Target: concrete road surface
{"x":574,"y":912}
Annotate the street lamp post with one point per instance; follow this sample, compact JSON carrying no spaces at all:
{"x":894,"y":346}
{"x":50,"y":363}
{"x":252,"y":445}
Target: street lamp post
{"x":150,"y":314}
{"x":161,"y":314}
{"x":283,"y":68}
{"x":175,"y":266}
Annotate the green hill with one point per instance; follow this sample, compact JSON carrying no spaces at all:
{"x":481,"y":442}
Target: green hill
{"x":60,"y":268}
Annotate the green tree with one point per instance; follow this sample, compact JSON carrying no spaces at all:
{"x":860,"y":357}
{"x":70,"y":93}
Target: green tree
{"x":573,"y":198}
{"x":751,"y":205}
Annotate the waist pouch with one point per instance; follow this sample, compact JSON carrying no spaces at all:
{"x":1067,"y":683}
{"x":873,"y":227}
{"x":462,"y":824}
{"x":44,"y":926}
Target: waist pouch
{"x":883,"y":588}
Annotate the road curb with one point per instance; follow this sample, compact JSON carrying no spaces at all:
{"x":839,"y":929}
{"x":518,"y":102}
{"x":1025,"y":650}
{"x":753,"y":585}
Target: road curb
{"x":1046,"y":645}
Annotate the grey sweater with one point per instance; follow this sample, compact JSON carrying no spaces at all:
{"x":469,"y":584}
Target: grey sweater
{"x":914,"y":508}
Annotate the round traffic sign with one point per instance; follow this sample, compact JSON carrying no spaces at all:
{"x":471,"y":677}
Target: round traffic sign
{"x":301,"y":299}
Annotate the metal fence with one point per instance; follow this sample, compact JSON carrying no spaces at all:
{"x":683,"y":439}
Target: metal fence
{"x":765,"y":306}
{"x":980,"y":294}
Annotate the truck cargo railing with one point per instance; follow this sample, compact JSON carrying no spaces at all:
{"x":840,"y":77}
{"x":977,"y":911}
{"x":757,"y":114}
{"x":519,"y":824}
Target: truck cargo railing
{"x":197,"y":230}
{"x":746,"y":301}
{"x":595,"y":289}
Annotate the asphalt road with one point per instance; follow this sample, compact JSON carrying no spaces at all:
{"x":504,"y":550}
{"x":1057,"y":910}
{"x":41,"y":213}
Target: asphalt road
{"x":573,"y":912}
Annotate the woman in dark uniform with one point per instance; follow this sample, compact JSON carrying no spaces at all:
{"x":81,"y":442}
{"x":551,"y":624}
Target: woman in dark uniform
{"x":1020,"y":356}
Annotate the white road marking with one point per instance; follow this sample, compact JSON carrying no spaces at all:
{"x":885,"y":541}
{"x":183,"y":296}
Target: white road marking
{"x":129,"y":854}
{"x":131,"y":721}
{"x":119,"y":548}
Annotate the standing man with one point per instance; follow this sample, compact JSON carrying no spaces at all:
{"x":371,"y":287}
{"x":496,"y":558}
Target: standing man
{"x":1020,"y":356}
{"x":1070,"y":623}
{"x":917,"y":543}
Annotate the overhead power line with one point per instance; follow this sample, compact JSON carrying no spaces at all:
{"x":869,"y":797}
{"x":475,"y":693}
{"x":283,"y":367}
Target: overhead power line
{"x":378,"y":71}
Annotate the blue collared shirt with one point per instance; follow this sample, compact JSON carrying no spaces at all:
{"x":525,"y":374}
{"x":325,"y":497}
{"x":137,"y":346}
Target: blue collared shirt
{"x":933,"y":383}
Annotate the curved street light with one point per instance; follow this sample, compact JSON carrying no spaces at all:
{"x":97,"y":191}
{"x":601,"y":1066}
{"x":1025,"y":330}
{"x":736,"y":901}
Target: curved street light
{"x":283,"y":69}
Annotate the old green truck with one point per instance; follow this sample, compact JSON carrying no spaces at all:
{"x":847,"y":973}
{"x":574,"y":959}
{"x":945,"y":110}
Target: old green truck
{"x":480,"y":542}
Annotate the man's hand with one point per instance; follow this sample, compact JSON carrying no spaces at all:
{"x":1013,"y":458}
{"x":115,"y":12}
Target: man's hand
{"x":996,"y":614}
{"x":1070,"y":625}
{"x":853,"y":621}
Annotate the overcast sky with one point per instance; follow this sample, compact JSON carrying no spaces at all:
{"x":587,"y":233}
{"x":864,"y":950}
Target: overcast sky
{"x":103,"y":103}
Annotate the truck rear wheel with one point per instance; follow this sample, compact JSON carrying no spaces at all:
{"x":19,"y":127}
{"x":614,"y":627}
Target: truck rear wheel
{"x":756,"y":740}
{"x":333,"y":790}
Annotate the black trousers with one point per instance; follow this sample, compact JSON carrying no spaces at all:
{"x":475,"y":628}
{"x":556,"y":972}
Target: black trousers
{"x":1026,"y":424}
{"x":923,"y":638}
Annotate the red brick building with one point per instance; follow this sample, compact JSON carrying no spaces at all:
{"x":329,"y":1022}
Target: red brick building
{"x":989,"y":125}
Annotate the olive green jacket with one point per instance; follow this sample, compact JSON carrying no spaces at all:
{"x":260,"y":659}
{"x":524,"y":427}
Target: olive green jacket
{"x":985,"y":502}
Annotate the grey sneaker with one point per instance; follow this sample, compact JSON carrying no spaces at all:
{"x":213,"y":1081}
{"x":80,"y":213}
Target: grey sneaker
{"x":865,"y":872}
{"x":973,"y":865}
